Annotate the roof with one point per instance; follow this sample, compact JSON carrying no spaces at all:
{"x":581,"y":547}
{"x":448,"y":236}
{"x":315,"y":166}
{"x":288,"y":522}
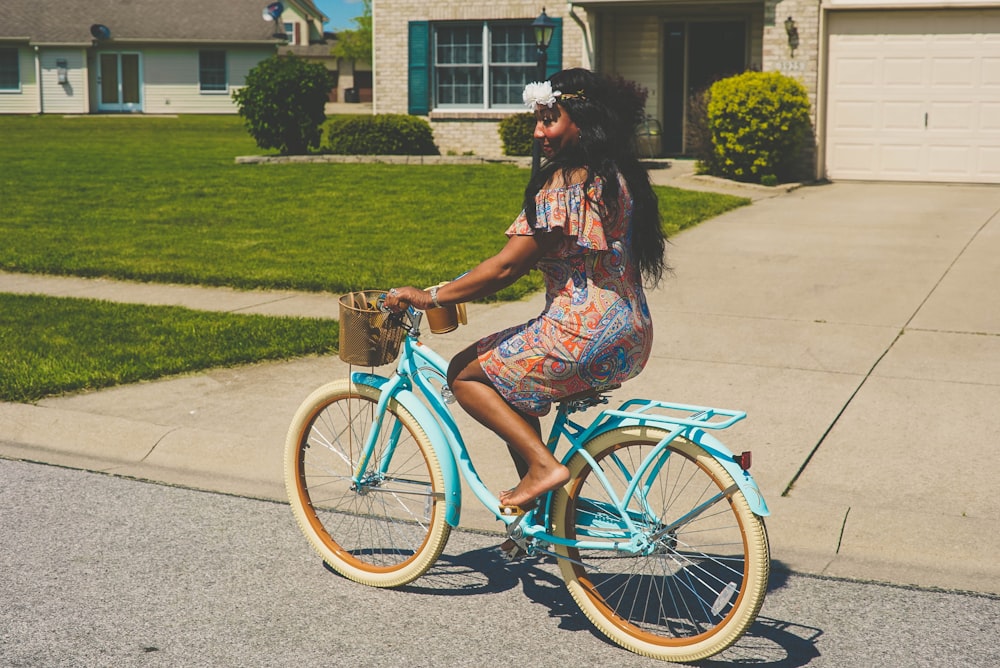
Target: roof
{"x":69,"y":21}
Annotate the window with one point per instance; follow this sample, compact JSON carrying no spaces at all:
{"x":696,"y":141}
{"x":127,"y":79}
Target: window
{"x":212,"y":71}
{"x":10,"y":70}
{"x":289,"y":33}
{"x":482,"y":65}
{"x":474,"y":65}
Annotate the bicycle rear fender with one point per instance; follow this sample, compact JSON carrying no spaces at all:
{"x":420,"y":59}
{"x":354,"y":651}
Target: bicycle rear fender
{"x":416,"y":408}
{"x":721,"y":454}
{"x":713,"y":447}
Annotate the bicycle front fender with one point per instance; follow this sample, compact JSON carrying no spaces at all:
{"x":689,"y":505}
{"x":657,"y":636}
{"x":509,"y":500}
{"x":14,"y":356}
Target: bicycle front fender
{"x":431,"y":427}
{"x":721,"y":454}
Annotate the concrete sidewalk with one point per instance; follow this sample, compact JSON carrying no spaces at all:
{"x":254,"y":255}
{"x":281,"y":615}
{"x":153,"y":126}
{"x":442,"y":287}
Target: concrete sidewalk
{"x":857,"y":324}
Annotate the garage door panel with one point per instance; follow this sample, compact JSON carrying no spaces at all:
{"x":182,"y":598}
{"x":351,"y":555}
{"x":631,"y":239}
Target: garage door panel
{"x":914,"y":95}
{"x":990,"y":76}
{"x":989,"y":162}
{"x":900,"y":160}
{"x":902,"y":115}
{"x":950,"y":161}
{"x":989,"y":117}
{"x":958,"y":72}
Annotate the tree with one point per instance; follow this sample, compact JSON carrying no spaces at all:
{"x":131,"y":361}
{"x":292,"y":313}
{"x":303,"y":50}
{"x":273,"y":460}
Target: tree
{"x":283,"y":103}
{"x":356,"y":45}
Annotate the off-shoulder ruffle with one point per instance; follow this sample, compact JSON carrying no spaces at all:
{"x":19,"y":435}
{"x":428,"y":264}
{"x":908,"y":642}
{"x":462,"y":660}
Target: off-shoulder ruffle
{"x":568,"y":208}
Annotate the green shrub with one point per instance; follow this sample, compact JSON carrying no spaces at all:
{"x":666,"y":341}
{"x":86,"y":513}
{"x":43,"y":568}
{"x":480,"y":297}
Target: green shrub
{"x":382,"y":134}
{"x":283,"y":103}
{"x":759,"y":123}
{"x":517,"y":133}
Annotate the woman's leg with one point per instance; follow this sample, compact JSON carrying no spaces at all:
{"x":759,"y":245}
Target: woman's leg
{"x":540,"y":472}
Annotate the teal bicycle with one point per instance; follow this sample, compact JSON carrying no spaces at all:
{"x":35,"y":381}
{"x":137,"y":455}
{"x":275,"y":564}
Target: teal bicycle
{"x":659,"y":533}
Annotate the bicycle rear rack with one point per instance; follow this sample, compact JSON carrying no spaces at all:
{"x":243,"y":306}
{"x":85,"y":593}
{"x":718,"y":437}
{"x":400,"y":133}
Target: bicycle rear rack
{"x":646,"y":411}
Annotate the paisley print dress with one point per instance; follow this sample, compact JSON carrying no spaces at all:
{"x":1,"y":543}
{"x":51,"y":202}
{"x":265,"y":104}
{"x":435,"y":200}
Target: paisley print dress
{"x":595,"y":329}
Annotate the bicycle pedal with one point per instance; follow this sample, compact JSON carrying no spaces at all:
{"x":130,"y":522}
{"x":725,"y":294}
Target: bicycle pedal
{"x":515,"y":553}
{"x":512,"y":511}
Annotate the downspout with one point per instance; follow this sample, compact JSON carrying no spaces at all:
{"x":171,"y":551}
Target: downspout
{"x":588,"y":42}
{"x":38,"y":79}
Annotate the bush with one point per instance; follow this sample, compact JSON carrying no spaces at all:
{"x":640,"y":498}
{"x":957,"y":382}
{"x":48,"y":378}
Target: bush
{"x":759,"y":123}
{"x":517,"y":133}
{"x":383,"y":134}
{"x":283,"y":102}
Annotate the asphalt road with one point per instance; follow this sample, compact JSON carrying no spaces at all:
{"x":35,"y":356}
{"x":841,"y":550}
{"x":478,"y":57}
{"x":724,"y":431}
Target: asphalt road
{"x":103,"y":571}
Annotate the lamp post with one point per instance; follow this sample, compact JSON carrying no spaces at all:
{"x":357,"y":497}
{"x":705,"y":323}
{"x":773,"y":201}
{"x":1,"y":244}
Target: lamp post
{"x":544,"y":27}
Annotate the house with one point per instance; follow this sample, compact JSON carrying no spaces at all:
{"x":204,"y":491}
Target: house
{"x":145,"y":56}
{"x":900,"y":90}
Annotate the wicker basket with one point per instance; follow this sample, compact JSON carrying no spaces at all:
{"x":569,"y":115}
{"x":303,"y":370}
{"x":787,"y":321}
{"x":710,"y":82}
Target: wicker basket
{"x":367,"y":337}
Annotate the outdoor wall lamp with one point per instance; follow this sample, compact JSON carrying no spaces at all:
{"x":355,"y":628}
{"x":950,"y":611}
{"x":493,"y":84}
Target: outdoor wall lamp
{"x":544,"y":27}
{"x":793,"y":34}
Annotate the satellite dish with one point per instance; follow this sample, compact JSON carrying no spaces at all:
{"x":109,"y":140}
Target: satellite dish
{"x":273,"y":11}
{"x":100,"y":31}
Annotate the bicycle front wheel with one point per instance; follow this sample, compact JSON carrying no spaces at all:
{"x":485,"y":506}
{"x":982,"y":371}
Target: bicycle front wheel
{"x":388,"y":527}
{"x":699,"y":578}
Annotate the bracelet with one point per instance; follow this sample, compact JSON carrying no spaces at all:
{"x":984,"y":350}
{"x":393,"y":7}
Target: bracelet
{"x":434,"y":295}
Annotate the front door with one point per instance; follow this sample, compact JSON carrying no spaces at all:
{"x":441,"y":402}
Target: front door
{"x":119,"y":82}
{"x":696,"y":55}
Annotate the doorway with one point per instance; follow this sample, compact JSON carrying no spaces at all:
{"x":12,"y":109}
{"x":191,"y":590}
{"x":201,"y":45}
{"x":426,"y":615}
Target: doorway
{"x":119,"y":84}
{"x":696,"y":54}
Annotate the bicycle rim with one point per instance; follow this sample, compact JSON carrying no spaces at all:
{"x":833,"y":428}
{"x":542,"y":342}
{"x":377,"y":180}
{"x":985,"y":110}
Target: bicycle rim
{"x":391,"y":528}
{"x":698,"y":586}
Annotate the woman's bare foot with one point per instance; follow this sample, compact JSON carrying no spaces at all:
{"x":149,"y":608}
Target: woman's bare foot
{"x":533,"y":485}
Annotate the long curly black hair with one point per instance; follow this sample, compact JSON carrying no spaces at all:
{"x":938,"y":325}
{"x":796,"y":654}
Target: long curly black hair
{"x":607,"y":121}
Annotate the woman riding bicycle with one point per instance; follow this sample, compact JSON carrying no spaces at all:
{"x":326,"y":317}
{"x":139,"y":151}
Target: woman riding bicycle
{"x":592,"y":226}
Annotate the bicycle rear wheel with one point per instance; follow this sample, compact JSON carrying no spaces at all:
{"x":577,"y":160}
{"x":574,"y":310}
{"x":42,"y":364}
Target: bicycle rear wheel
{"x":700,"y":582}
{"x":390,"y":528}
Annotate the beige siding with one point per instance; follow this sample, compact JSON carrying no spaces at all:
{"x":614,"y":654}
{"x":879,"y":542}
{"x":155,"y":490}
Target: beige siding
{"x":25,"y":100}
{"x":636,"y":55}
{"x":71,"y":97}
{"x":171,"y":80}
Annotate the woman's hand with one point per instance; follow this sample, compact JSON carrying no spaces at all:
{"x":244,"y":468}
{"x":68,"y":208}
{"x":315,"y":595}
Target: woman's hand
{"x":399,"y":298}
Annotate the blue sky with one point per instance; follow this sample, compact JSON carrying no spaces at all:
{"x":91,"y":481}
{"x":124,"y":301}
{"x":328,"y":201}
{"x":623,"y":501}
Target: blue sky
{"x":340,"y":13}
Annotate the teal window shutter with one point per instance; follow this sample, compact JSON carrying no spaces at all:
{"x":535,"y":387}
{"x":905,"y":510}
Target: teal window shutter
{"x":419,"y":98}
{"x":554,"y":61}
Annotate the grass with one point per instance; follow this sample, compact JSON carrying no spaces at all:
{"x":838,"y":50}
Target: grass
{"x":52,"y":345}
{"x":162,"y":200}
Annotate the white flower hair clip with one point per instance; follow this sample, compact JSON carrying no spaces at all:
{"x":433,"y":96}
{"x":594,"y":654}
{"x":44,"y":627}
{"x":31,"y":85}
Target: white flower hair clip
{"x":540,"y":92}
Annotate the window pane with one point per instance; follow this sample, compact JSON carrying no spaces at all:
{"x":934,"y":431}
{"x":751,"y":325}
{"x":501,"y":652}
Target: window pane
{"x":460,"y":85}
{"x":10,"y":76}
{"x":507,"y":84}
{"x":461,"y":45}
{"x":212,"y":70}
{"x":512,"y":44}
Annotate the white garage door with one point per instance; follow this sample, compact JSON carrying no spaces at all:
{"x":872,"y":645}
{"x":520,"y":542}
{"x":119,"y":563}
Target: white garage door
{"x":914,"y":95}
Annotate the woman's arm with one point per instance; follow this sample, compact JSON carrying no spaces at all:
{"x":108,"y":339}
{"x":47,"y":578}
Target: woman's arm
{"x":516,"y":258}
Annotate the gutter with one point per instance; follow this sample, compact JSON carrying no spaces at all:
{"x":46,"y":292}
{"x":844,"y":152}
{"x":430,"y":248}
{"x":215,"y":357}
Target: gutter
{"x":38,"y":79}
{"x":588,"y":40}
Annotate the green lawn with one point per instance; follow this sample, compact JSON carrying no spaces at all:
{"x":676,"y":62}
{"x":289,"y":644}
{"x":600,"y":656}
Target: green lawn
{"x":162,"y":200}
{"x":52,"y":345}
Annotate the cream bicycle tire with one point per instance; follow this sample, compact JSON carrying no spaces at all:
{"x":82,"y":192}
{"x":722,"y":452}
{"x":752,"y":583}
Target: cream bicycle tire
{"x":663,"y":605}
{"x":391,"y":529}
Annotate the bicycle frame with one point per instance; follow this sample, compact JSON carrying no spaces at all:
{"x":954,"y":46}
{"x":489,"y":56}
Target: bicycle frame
{"x":418,"y":369}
